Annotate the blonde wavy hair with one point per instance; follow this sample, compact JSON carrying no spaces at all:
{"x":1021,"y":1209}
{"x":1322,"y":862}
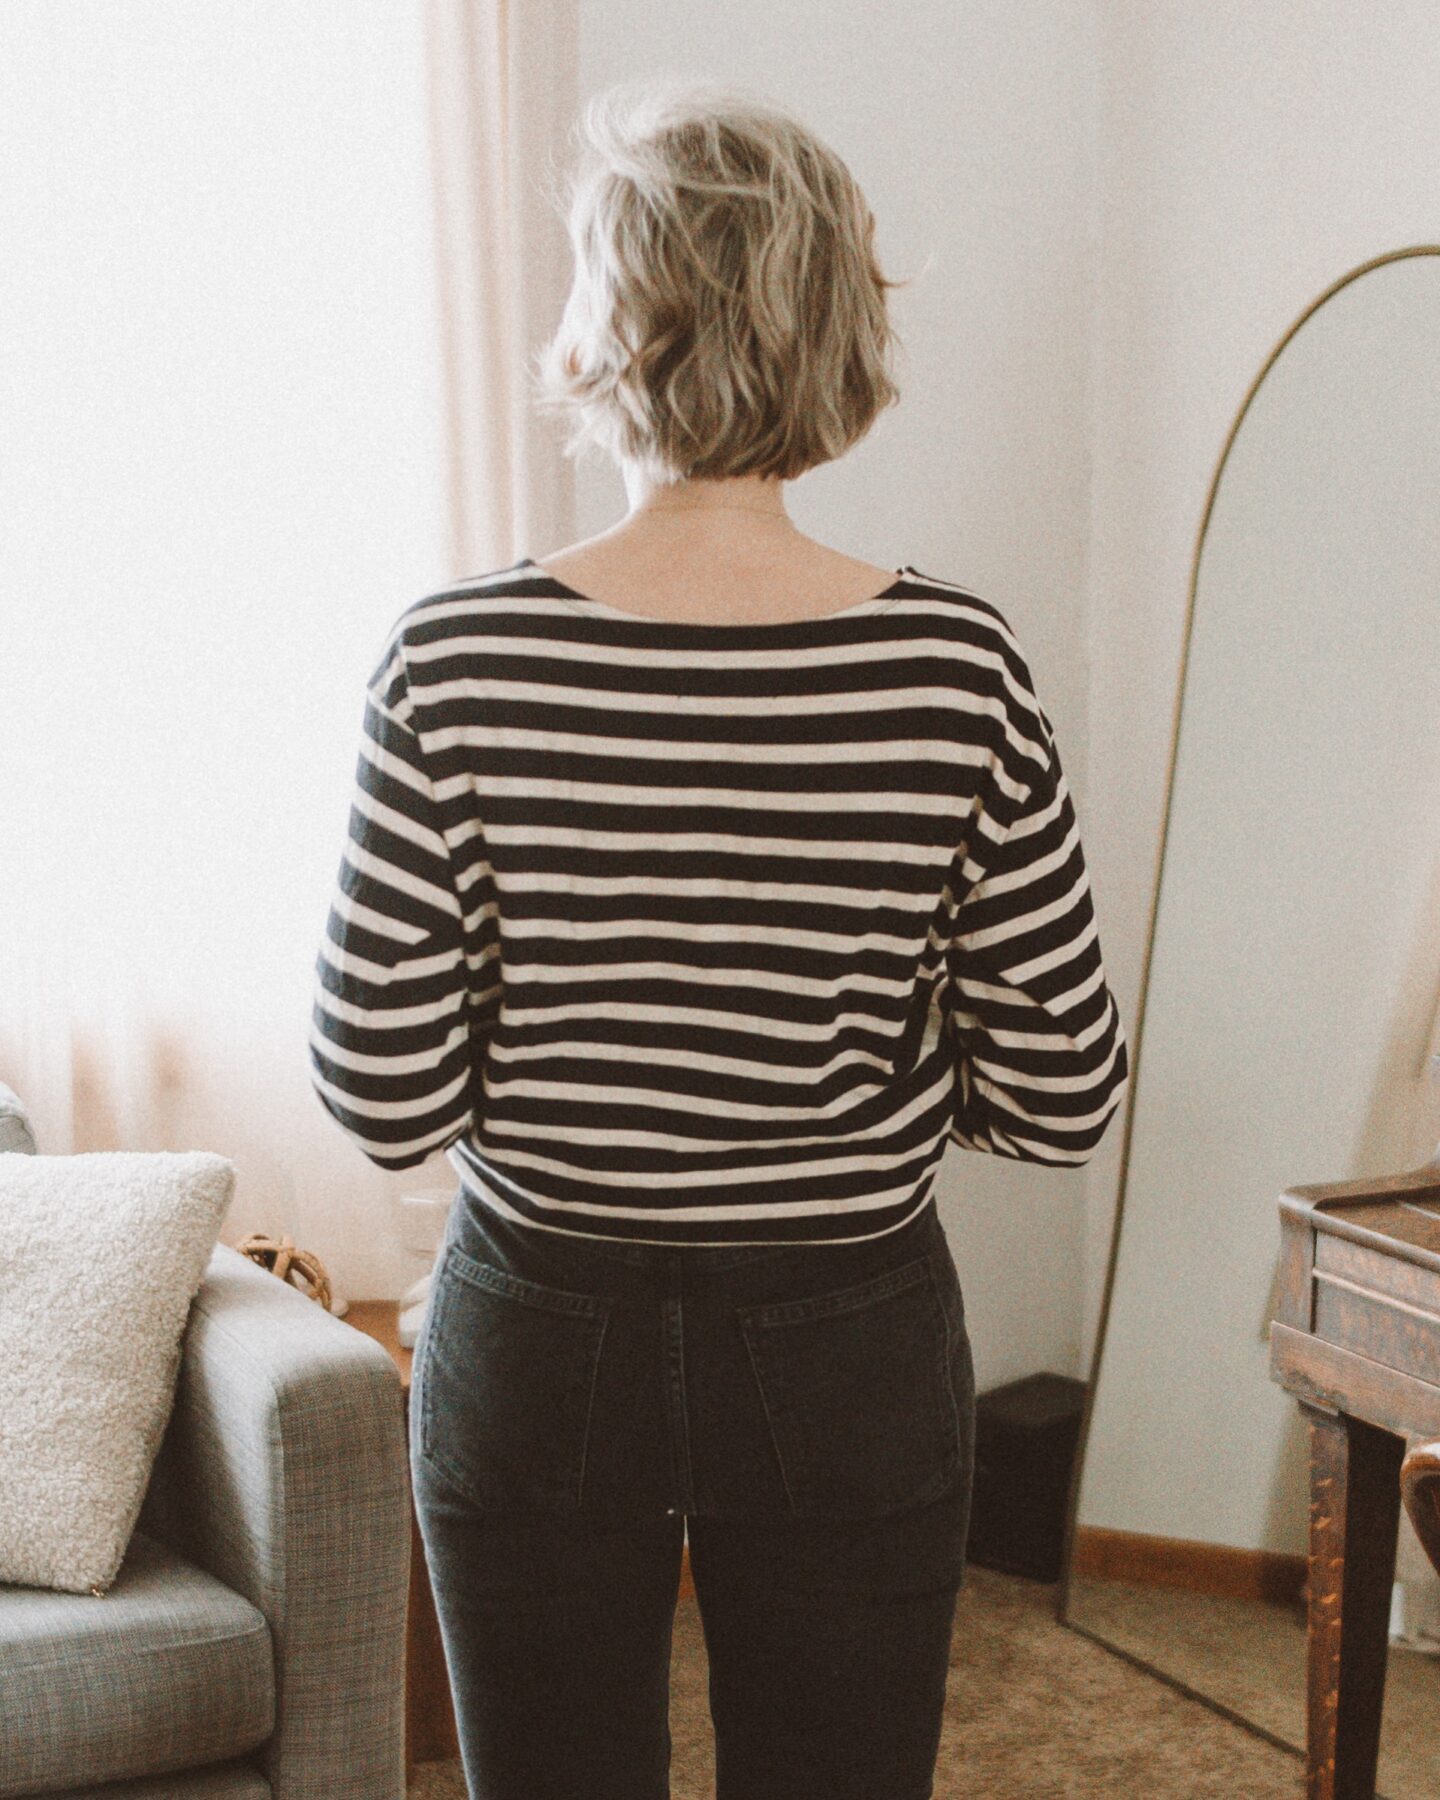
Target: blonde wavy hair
{"x":728,"y":316}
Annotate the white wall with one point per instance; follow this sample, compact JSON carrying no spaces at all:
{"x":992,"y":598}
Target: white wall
{"x":1250,"y":156}
{"x":969,"y":130}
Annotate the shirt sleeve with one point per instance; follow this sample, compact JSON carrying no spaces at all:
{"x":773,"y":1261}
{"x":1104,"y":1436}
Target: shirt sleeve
{"x":1041,"y":1064}
{"x":395,"y":1038}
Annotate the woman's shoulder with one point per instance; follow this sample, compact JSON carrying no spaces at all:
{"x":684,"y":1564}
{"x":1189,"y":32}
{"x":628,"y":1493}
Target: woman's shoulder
{"x":456,"y":600}
{"x":975,"y":619}
{"x":966,"y":599}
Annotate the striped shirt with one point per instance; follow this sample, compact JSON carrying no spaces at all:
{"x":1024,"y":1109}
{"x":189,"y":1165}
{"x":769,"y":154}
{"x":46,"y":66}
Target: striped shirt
{"x":710,"y":934}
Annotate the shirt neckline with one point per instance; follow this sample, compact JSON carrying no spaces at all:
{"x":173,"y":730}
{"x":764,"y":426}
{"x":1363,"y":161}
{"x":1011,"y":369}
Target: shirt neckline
{"x":876,"y":603}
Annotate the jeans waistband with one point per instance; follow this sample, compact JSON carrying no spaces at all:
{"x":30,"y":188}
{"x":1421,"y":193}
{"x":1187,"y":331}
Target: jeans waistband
{"x":698,"y":1259}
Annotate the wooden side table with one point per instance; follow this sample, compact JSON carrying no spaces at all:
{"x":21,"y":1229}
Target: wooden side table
{"x":1356,"y":1340}
{"x":430,"y":1734}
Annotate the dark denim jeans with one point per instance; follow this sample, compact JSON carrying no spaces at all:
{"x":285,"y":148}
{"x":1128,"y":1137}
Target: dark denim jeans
{"x":807,"y":1409}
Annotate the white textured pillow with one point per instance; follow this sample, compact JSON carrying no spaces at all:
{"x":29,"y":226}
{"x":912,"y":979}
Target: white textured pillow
{"x":101,"y":1255}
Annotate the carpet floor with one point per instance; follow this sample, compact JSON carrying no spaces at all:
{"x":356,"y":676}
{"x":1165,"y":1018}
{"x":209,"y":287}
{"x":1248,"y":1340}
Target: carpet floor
{"x":1034,"y":1711}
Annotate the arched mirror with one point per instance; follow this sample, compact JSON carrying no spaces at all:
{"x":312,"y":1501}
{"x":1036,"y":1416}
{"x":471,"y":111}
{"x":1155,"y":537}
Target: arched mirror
{"x":1288,"y":1012}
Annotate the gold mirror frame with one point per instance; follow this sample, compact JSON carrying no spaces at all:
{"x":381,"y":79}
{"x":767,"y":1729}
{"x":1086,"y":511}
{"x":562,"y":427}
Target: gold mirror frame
{"x":1062,"y":1602}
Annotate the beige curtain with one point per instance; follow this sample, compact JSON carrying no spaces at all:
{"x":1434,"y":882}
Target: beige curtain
{"x":504,"y":93}
{"x":145,"y":1002}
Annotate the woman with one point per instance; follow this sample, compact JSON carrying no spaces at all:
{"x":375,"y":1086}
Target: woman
{"x":703,"y":884}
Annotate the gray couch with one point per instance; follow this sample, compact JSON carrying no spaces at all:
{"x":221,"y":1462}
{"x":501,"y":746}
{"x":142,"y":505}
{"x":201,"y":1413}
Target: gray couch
{"x":253,"y":1644}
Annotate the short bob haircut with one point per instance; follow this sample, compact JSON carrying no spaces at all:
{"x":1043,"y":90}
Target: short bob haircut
{"x":728,"y":317}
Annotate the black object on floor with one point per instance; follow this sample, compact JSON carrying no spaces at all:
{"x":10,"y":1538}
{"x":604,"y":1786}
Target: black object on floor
{"x":1026,"y":1434}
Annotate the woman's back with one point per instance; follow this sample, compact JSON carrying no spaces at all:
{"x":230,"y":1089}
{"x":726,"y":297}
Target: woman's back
{"x":707,"y":932}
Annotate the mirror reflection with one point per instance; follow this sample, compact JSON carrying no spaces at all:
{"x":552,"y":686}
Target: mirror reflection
{"x":1288,"y":1015}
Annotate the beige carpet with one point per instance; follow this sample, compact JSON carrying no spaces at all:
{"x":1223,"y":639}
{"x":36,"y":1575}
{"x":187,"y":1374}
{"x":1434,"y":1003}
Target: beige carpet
{"x":1249,"y":1655}
{"x":1034,"y":1712}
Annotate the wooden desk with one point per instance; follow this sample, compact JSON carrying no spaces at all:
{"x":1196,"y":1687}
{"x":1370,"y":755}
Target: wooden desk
{"x":1356,"y":1339}
{"x":429,"y":1714}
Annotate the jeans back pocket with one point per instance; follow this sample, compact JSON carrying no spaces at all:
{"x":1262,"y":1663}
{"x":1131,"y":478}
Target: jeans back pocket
{"x":506,"y":1389}
{"x":859,"y":1394}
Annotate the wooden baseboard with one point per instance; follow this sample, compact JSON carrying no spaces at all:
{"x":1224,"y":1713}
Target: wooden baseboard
{"x":1186,"y":1563}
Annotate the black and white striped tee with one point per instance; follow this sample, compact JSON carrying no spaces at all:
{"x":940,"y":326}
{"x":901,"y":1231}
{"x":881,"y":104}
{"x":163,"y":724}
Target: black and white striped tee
{"x":710,"y":934}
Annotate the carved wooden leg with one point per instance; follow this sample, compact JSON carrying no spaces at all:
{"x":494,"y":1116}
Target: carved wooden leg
{"x":1354,"y":1519}
{"x":1420,"y":1488}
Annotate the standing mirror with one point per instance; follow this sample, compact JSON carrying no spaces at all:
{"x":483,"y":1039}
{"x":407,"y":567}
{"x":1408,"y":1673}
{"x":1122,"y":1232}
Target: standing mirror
{"x":1287,"y":1015}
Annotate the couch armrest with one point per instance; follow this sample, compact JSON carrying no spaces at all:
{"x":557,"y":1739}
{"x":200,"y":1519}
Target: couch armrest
{"x":16,"y":1132}
{"x":284,"y":1472}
